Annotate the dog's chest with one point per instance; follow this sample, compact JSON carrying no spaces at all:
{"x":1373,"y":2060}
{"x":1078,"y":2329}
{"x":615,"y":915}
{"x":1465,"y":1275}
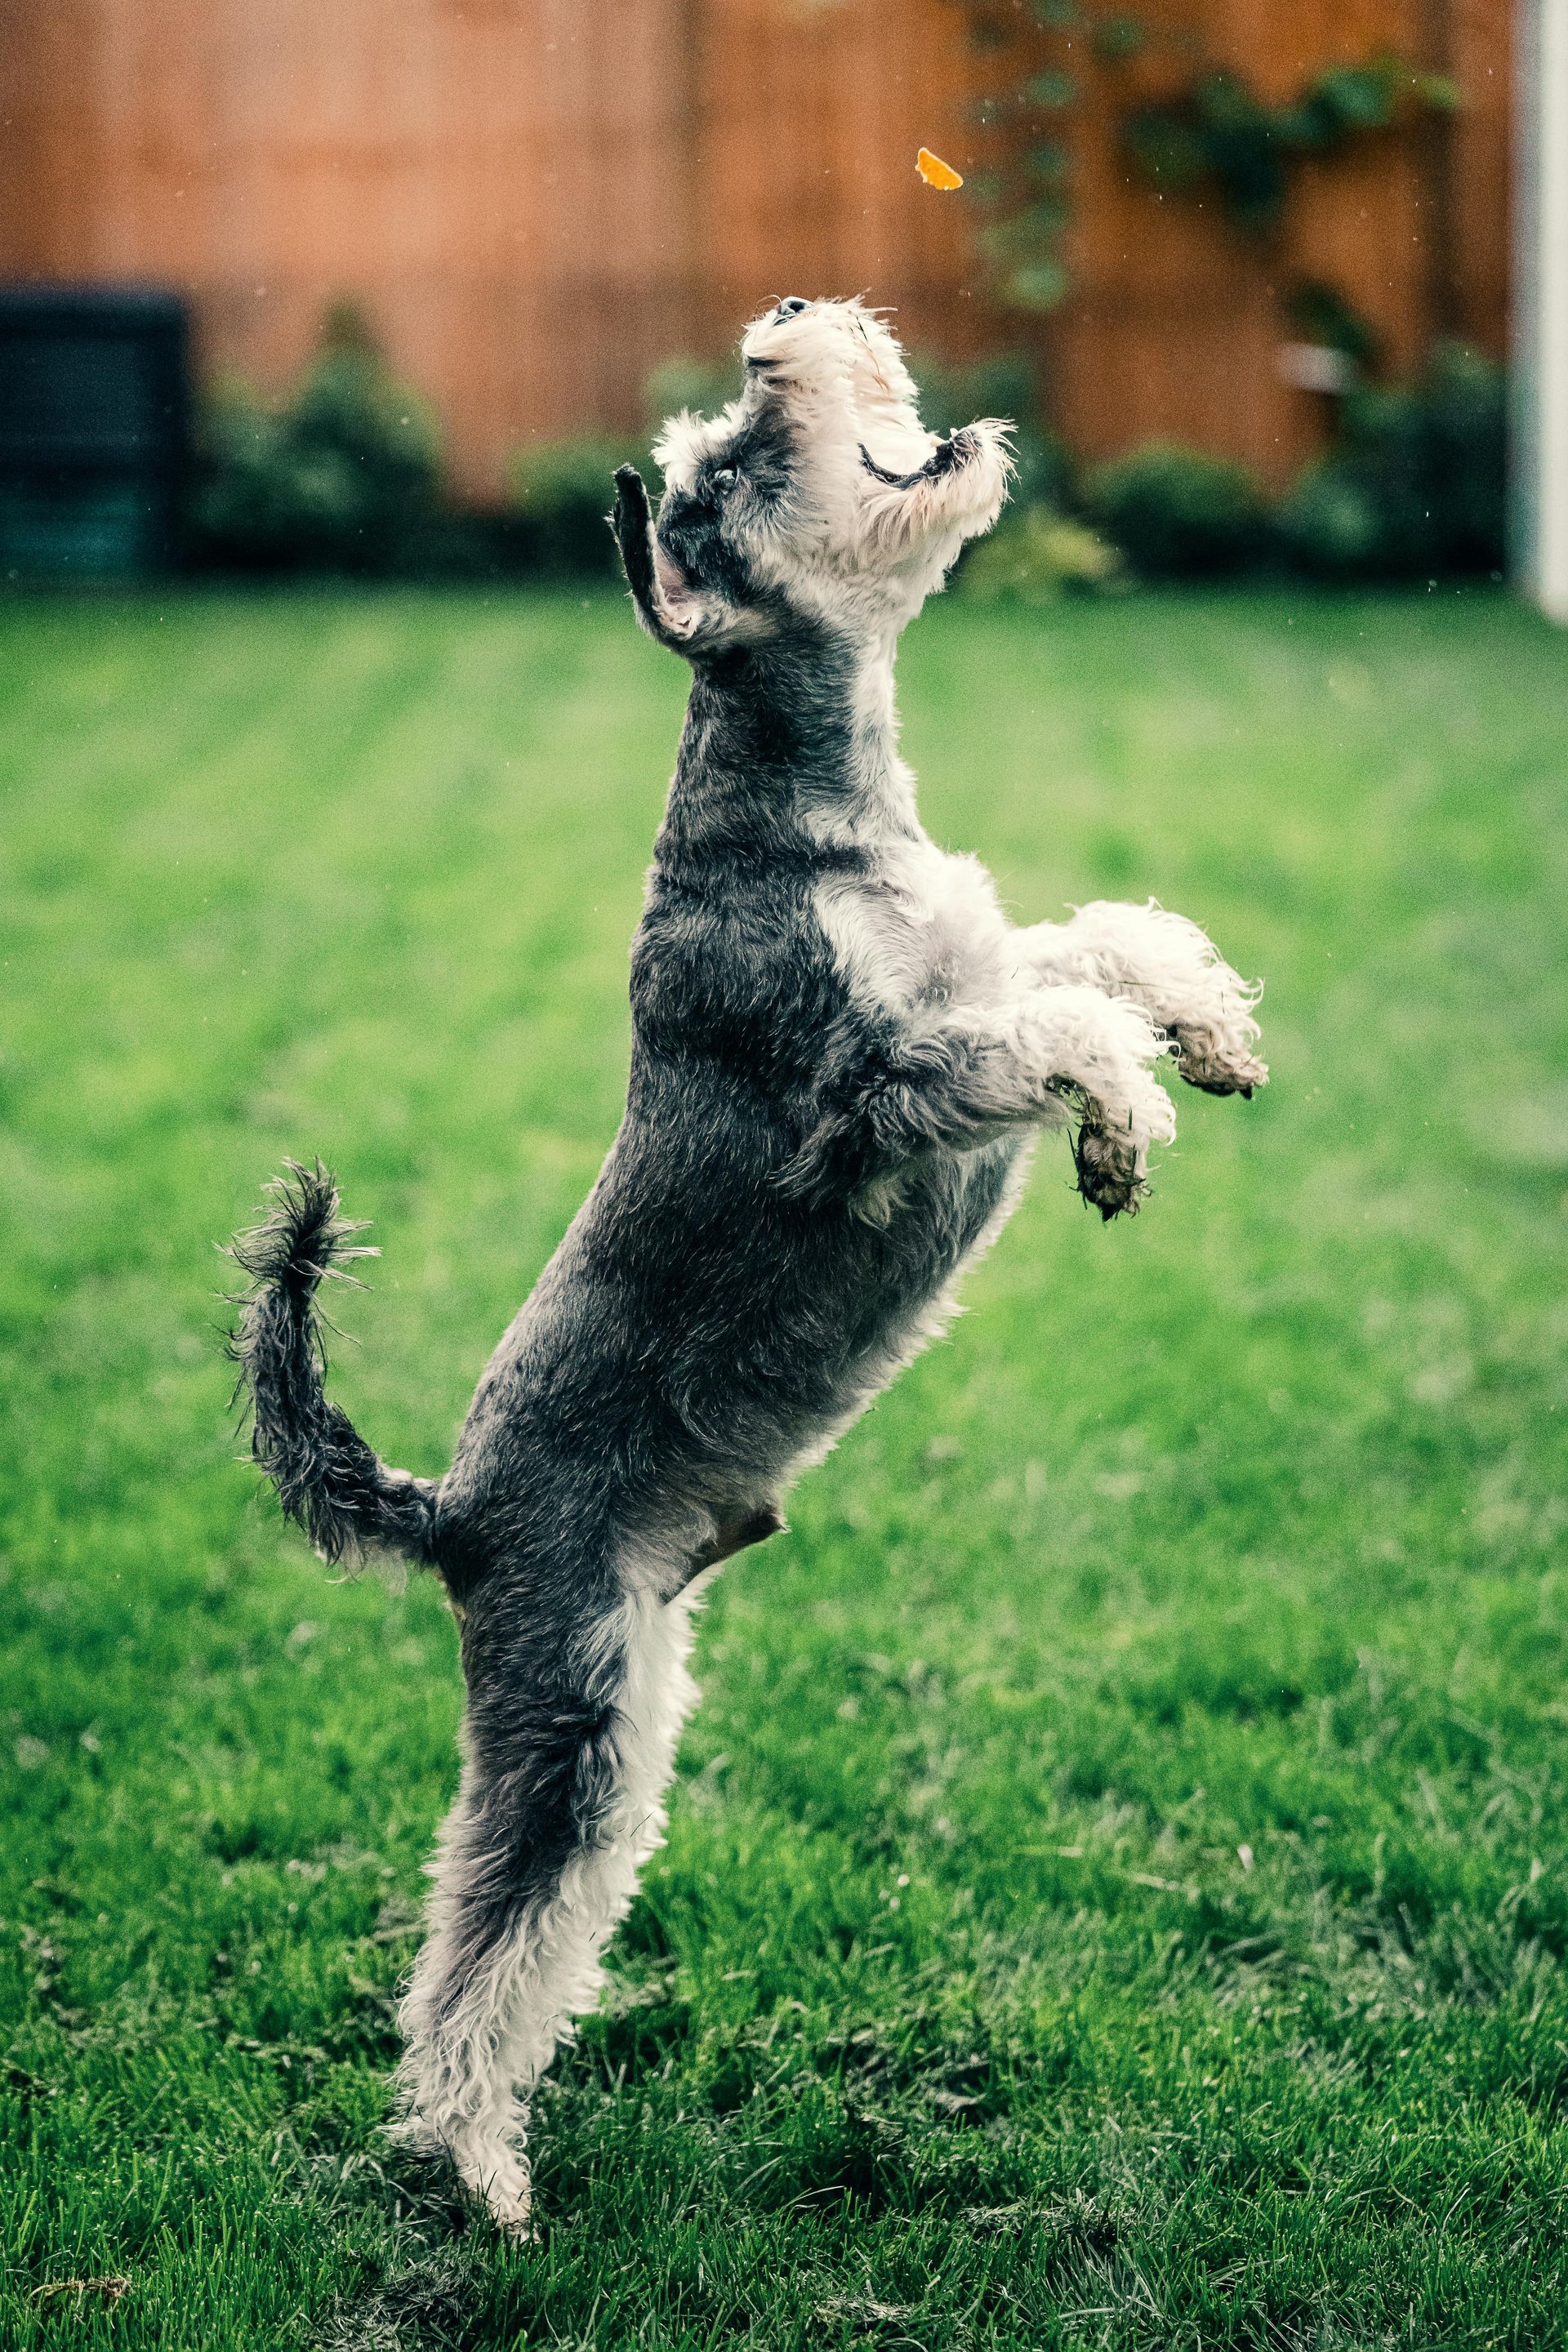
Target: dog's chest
{"x":923,"y":932}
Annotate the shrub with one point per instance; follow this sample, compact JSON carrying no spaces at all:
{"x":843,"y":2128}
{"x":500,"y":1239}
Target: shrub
{"x":1416,"y":483}
{"x":562,"y":492}
{"x":1036,"y":556}
{"x":1330,"y":523}
{"x":1175,"y":512}
{"x":344,"y":475}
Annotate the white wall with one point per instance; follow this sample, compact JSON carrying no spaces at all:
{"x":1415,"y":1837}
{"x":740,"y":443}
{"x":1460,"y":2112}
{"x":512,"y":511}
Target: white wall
{"x":1541,"y":306}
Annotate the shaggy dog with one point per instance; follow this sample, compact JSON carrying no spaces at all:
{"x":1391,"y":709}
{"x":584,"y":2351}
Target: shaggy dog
{"x":841,"y":1052}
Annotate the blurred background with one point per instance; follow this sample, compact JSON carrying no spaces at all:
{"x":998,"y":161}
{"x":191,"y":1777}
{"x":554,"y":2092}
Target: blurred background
{"x":1117,"y":1894}
{"x":384,"y":286}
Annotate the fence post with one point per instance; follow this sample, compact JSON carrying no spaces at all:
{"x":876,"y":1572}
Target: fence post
{"x":1541,"y":307}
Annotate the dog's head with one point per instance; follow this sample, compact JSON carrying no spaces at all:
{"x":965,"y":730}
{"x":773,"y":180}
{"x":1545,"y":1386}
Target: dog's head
{"x":816,"y":498}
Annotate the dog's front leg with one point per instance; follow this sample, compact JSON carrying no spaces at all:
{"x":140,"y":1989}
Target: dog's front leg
{"x":573,"y":1713}
{"x":1096,"y":1054}
{"x":971,"y":1077}
{"x":1172,"y":970}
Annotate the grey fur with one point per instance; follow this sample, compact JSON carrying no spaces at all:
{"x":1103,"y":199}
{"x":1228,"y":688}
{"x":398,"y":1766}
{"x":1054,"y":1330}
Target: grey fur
{"x":326,"y":1475}
{"x":803,"y":1168}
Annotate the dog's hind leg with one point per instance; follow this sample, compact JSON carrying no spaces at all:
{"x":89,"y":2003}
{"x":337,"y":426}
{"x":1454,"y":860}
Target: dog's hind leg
{"x":568,"y":1756}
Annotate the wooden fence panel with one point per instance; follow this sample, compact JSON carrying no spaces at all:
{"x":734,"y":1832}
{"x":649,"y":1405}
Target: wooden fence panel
{"x":534,"y":201}
{"x":1178,"y":317}
{"x":811,"y":118}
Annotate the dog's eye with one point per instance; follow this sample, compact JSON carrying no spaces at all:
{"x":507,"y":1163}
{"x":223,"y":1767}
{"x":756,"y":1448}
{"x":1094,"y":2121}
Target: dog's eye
{"x":724,"y":480}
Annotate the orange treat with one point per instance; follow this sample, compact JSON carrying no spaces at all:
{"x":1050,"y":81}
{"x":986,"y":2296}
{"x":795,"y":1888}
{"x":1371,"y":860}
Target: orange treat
{"x":935,"y":173}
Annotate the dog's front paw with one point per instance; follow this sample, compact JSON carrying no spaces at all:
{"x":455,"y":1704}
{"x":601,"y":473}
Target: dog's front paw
{"x":1110,"y":1171}
{"x":486,"y":2155}
{"x":1120,"y":1122}
{"x":1218,"y":1065}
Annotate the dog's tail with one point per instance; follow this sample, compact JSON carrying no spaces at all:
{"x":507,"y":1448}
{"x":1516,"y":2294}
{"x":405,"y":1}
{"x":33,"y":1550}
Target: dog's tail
{"x":327,"y":1478}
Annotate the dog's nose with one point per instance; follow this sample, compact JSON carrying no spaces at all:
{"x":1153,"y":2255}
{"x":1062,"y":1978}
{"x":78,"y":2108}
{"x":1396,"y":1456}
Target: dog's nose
{"x":792,"y":304}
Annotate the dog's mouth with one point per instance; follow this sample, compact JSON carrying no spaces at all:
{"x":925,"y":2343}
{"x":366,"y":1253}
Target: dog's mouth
{"x":674,"y":585}
{"x":959,"y":450}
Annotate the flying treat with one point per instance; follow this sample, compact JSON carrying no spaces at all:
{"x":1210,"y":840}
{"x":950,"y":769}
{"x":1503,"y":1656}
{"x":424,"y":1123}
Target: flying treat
{"x":935,"y":173}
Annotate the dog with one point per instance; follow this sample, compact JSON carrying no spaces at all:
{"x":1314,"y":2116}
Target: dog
{"x":841,"y":1053}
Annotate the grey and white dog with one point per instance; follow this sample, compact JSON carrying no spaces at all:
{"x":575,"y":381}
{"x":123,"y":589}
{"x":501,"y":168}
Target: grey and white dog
{"x":841,"y":1050}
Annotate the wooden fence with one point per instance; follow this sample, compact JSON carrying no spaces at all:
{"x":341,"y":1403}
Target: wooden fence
{"x":537,"y":200}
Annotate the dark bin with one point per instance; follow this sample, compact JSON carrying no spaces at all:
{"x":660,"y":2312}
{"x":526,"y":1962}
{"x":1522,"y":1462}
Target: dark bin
{"x":94,"y":431}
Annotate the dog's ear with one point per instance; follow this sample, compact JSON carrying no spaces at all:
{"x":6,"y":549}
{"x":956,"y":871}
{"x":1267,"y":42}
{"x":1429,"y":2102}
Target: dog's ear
{"x":666,"y":607}
{"x":689,"y":619}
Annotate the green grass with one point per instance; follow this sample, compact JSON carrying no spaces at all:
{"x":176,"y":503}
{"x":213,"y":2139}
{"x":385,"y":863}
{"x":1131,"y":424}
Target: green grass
{"x":1118,"y":1888}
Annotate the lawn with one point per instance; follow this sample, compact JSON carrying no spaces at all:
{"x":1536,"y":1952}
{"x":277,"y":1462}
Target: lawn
{"x":1118,"y":1884}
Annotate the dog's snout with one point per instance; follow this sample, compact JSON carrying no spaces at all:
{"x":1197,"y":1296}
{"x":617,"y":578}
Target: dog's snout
{"x":792,"y":304}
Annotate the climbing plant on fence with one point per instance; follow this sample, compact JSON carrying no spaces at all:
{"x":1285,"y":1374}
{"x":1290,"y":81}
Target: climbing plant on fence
{"x":1218,"y":133}
{"x":1209,"y":131}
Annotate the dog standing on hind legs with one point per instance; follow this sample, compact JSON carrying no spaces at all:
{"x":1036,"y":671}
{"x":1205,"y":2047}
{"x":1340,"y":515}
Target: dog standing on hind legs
{"x":841,"y":1051}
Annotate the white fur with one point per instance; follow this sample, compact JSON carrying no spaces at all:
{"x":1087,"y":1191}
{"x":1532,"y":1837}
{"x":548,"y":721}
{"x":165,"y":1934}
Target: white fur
{"x":1164,"y":963}
{"x":927,"y":933}
{"x":864,"y":554}
{"x":926,"y":941}
{"x":466,"y":2077}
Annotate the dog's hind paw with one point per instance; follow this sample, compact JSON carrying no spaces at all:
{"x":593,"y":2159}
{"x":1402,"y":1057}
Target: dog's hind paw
{"x":507,"y":2193}
{"x":493,"y":2173}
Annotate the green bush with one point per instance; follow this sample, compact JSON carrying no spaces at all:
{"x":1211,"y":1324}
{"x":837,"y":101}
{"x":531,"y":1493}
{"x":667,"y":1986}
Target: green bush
{"x":1035,"y":555}
{"x":1330,"y":523}
{"x":342,"y":476}
{"x":1176,"y":513}
{"x":1416,"y":485}
{"x":562,"y":492}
